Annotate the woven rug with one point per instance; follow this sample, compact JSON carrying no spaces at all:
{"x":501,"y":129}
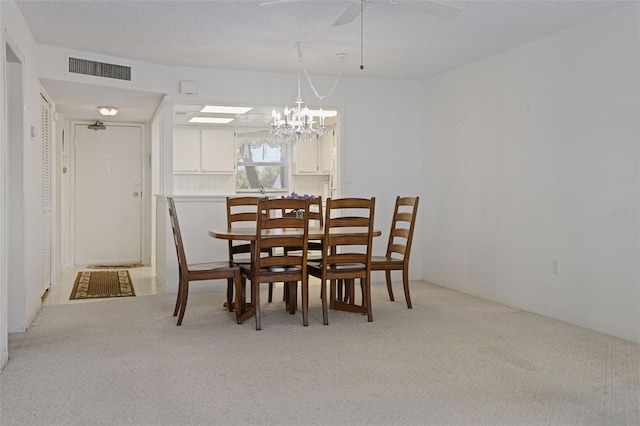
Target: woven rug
{"x":123,"y":266}
{"x":93,"y":285}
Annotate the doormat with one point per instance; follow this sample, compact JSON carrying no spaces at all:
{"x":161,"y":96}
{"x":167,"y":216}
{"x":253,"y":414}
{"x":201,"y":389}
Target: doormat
{"x":123,"y":266}
{"x":93,"y":285}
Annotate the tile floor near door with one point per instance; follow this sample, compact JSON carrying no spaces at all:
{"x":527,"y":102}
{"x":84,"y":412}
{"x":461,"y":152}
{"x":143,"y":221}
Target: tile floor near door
{"x":143,"y":279}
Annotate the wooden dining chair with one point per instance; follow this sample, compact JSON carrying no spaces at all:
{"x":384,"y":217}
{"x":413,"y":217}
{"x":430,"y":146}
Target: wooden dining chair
{"x":399,"y":245}
{"x":346,"y":258}
{"x":273,"y":233}
{"x":199,"y":271}
{"x":242,"y":210}
{"x":315,"y":247}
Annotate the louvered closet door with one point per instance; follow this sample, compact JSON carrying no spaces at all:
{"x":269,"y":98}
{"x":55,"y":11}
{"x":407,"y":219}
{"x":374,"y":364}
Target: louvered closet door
{"x":45,"y":145}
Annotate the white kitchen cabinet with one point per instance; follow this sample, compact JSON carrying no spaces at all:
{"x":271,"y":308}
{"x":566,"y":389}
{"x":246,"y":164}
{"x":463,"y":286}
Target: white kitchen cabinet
{"x":314,"y":157}
{"x":218,"y":150}
{"x":325,"y":149}
{"x":198,"y":150}
{"x":186,"y":150}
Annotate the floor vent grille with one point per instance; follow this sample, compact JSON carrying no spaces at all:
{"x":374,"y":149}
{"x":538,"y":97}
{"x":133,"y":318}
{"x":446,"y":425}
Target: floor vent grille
{"x":99,"y":69}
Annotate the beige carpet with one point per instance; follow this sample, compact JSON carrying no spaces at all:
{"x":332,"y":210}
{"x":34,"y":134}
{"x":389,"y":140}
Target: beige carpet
{"x":453,"y":360}
{"x":93,"y":285}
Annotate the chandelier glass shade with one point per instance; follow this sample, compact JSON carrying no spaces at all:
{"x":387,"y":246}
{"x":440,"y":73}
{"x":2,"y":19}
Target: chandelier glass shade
{"x":298,"y":122}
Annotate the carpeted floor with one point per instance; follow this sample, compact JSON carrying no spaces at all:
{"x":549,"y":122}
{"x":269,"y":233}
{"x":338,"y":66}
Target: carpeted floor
{"x":454,"y":359}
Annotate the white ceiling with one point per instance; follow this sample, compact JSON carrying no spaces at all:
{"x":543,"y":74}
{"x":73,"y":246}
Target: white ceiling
{"x":398,"y":43}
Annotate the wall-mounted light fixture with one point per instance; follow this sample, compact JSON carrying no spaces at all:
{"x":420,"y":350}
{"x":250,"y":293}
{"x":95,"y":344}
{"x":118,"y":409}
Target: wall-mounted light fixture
{"x":98,"y":125}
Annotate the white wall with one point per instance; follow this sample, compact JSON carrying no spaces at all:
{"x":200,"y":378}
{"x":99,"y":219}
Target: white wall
{"x":4,"y":317}
{"x":15,"y":206}
{"x":380,"y":133}
{"x":15,"y":26}
{"x":527,"y":155}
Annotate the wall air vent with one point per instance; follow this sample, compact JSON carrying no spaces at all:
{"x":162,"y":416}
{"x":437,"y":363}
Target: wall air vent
{"x":99,"y":69}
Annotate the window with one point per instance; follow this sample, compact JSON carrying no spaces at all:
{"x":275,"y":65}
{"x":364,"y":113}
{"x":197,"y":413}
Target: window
{"x":262,"y":163}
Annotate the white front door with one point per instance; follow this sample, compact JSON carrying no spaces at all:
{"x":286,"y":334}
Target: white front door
{"x":108,"y":194}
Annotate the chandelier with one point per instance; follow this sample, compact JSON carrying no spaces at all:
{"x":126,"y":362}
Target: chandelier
{"x":299,"y":122}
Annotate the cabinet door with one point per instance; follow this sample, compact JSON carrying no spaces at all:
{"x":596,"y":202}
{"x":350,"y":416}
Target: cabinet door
{"x":325,"y":146}
{"x":186,"y":150}
{"x":218,"y":150}
{"x":307,"y":156}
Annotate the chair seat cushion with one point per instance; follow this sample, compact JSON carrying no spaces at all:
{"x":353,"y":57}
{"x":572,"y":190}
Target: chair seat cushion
{"x":195,"y":267}
{"x":272,"y":268}
{"x":385,"y":259}
{"x":316,"y":267}
{"x":282,"y":268}
{"x":311,"y":255}
{"x":241,"y":260}
{"x":385,"y":262}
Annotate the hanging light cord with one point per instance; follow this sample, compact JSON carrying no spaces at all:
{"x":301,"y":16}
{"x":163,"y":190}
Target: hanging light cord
{"x":361,"y":33}
{"x":315,"y":92}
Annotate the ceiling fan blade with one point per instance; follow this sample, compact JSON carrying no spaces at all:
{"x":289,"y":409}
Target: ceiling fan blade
{"x":350,"y":14}
{"x":272,"y":2}
{"x":440,"y":10}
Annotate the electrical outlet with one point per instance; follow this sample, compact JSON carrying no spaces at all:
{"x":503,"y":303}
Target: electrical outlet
{"x":555,"y":266}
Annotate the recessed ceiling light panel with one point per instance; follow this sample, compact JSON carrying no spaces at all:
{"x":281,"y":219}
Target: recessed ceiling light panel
{"x":217,"y":109}
{"x":211,"y":120}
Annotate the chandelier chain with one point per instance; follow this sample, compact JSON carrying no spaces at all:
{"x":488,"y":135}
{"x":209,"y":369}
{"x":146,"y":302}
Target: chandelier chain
{"x":313,"y":87}
{"x":300,"y":122}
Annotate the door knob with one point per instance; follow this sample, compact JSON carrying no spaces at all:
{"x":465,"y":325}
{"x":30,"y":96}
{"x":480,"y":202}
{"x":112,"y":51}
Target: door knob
{"x":135,"y":194}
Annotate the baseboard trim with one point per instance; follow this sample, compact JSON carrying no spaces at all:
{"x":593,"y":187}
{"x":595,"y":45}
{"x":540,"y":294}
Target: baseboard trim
{"x":541,"y":310}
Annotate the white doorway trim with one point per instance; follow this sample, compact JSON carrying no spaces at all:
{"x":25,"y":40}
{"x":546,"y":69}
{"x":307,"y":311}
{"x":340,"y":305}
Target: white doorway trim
{"x":13,"y":249}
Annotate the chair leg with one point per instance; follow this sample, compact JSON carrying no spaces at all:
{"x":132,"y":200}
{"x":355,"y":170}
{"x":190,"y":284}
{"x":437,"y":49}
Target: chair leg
{"x":239,"y":308}
{"x":387,"y":272}
{"x":255,"y":295}
{"x":323,"y":296}
{"x":178,"y":297}
{"x":292,"y":296}
{"x":405,"y":280}
{"x":183,"y":301}
{"x":270,"y":292}
{"x":230,"y":294}
{"x":305,"y":302}
{"x":366,"y":297}
{"x":332,"y":292}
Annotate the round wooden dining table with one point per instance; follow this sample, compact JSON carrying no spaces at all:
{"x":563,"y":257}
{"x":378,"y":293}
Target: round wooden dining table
{"x":248,"y":233}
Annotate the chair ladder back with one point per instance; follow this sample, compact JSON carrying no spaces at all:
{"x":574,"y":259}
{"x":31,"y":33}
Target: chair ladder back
{"x":402,"y":226}
{"x":353,"y":248}
{"x":177,"y":235}
{"x":240,"y":209}
{"x":313,"y":213}
{"x":316,"y":215}
{"x":269,"y":221}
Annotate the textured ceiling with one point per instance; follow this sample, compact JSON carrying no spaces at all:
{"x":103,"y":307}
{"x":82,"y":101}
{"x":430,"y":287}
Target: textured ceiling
{"x":399,"y":43}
